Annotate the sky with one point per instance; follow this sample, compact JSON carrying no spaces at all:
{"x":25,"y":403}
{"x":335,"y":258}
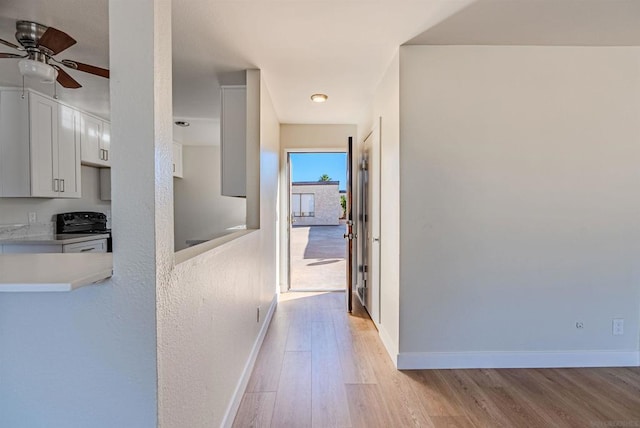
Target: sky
{"x":310,"y":166}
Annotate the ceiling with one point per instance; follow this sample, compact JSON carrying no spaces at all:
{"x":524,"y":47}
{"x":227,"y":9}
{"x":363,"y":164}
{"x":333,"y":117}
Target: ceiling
{"x":541,"y":23}
{"x":338,"y":47}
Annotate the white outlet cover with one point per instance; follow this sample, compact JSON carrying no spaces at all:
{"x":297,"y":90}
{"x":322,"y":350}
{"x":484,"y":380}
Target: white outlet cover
{"x":32,"y":218}
{"x":618,"y":327}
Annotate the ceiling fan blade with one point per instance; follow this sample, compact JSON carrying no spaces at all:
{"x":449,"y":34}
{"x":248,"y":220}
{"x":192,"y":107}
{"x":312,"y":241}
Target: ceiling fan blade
{"x":65,"y":80}
{"x":11,"y":45}
{"x":11,"y":55}
{"x":55,"y":40}
{"x":87,"y":68}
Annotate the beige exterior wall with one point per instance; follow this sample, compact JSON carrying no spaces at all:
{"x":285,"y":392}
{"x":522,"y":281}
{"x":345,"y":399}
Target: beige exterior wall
{"x":326,"y":201}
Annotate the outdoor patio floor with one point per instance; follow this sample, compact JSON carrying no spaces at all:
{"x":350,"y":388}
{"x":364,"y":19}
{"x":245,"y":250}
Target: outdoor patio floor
{"x":318,"y":258}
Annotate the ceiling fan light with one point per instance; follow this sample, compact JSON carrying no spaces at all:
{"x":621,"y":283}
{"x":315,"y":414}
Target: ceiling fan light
{"x":37,"y":69}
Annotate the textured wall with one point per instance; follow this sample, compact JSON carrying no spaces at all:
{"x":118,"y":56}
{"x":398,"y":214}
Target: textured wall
{"x":207,"y":316}
{"x":88,"y":358}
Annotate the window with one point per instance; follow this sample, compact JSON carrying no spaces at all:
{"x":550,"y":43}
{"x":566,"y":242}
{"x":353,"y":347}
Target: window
{"x":303,"y":204}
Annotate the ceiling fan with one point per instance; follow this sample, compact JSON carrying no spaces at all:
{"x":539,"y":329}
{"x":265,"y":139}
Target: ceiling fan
{"x":39,"y":45}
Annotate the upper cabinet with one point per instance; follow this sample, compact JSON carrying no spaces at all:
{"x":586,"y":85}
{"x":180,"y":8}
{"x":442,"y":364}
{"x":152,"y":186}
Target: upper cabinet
{"x":177,"y":160}
{"x":39,"y":147}
{"x":233,"y":141}
{"x":95,"y":141}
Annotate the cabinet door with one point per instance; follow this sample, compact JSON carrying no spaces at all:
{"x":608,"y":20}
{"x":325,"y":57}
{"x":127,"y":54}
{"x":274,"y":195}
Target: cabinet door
{"x":15,"y":176}
{"x":233,"y":141}
{"x":105,"y":143}
{"x":177,"y":160}
{"x":69,"y":172}
{"x":90,"y":136}
{"x":43,"y":127}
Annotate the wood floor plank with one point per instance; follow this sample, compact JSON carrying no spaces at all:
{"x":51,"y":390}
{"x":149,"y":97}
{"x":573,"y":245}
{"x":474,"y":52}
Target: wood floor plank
{"x":451,"y":422}
{"x":266,"y":372}
{"x":512,"y":406}
{"x":521,"y":386}
{"x":256,"y":410}
{"x":367,"y":406}
{"x":435,"y":395}
{"x":403,"y":403}
{"x":329,"y":397}
{"x":573,"y":401}
{"x":293,"y":401}
{"x":337,"y":374}
{"x":479,"y":407}
{"x":355,"y":366}
{"x":299,"y":336}
{"x":618,"y":407}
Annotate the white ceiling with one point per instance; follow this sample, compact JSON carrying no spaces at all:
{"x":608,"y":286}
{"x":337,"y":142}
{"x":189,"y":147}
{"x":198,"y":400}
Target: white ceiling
{"x":339,"y":47}
{"x":540,"y":22}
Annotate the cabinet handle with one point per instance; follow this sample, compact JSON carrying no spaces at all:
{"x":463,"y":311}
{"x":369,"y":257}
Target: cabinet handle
{"x":87,"y":249}
{"x":101,"y":154}
{"x":55,"y":185}
{"x":62,"y":185}
{"x":106,"y":154}
{"x":174,"y":167}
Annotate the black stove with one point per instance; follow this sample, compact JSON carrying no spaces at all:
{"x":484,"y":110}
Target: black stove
{"x":83,"y":222}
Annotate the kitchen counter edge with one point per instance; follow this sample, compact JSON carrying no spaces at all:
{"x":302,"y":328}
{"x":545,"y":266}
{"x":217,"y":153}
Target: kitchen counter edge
{"x":53,"y":272}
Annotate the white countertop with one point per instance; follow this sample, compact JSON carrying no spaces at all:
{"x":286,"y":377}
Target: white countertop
{"x":53,"y":239}
{"x":53,"y":272}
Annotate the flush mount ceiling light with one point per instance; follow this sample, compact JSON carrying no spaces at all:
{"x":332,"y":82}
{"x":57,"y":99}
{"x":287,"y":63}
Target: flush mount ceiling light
{"x":182,"y":123}
{"x":319,"y":98}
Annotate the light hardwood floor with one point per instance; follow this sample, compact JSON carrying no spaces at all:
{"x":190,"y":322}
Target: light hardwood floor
{"x":321,"y":367}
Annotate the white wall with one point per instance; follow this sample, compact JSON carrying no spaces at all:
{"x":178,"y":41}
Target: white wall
{"x":88,"y":358}
{"x":15,"y":210}
{"x":309,"y":138}
{"x":519,"y":215}
{"x":208,"y":333}
{"x":200,"y":211}
{"x":386,"y":105}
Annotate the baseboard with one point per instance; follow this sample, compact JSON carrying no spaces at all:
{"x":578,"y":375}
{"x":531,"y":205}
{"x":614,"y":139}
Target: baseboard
{"x":468,"y":360}
{"x":230,"y":414}
{"x":389,"y":345}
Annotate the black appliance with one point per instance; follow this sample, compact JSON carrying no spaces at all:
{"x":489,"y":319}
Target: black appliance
{"x":83,"y":222}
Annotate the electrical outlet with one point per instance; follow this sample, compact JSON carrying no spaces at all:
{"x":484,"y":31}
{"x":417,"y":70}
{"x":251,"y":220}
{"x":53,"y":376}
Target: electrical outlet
{"x":618,"y":326}
{"x":32,"y":218}
{"x":579,"y":324}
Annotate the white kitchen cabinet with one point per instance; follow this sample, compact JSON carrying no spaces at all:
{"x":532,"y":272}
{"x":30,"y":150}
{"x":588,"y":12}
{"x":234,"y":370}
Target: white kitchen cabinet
{"x":39,"y":147}
{"x":233,"y":141}
{"x":91,"y":246}
{"x":177,"y":160}
{"x":69,"y":168}
{"x":95,"y":141}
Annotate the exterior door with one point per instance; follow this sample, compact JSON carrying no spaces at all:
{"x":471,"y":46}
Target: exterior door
{"x":349,"y":235}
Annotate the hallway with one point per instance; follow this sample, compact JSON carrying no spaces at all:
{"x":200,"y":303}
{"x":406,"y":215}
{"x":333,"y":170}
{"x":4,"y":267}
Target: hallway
{"x":321,"y":367}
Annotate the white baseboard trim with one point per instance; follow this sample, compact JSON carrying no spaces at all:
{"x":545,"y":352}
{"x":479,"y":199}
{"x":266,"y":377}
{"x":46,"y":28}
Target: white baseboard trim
{"x":481,"y":360}
{"x":233,"y":407}
{"x":389,"y":345}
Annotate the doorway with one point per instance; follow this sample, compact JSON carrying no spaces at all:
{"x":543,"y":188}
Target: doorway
{"x":317,"y":202}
